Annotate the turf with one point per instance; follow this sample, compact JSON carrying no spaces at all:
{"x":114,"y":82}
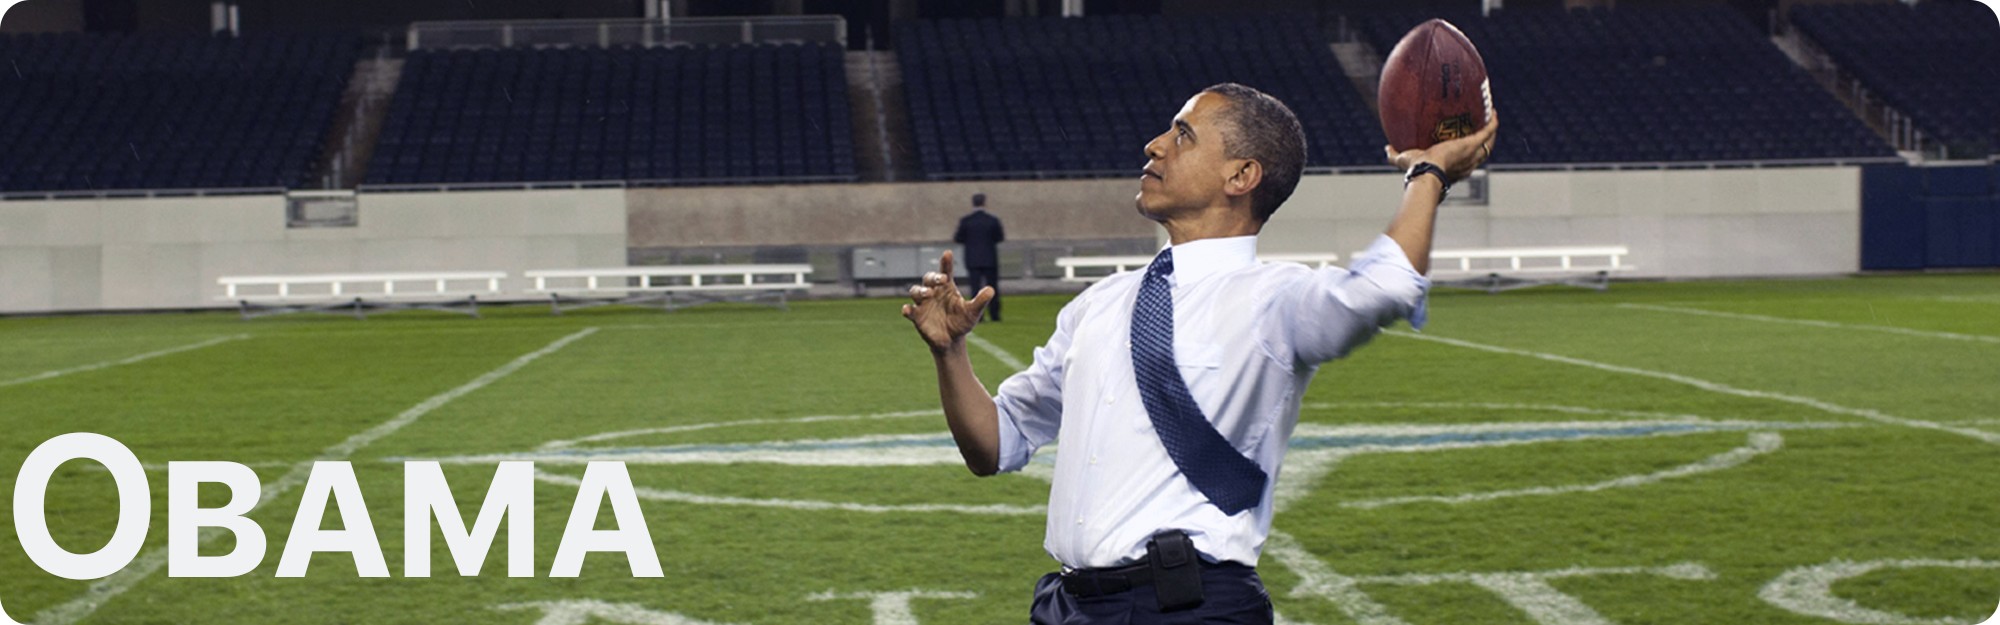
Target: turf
{"x":1906,"y":349}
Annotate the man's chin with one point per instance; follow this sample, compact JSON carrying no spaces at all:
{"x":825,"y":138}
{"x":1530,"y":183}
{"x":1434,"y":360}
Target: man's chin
{"x":1139,"y":204}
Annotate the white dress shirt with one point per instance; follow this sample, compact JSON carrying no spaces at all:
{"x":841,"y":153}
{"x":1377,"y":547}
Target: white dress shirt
{"x":1247,"y":337}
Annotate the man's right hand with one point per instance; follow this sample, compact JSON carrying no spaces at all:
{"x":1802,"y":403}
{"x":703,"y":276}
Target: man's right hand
{"x":941,"y":315}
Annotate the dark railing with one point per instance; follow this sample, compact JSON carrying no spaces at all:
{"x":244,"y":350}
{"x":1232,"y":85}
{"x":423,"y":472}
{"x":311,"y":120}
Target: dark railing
{"x":93,"y":194}
{"x":474,"y":34}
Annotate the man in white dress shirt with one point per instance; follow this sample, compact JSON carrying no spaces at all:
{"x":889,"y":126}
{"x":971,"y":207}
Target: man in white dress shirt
{"x":1173,"y":391}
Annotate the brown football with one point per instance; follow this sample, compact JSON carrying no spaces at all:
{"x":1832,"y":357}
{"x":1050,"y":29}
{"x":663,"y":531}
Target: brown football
{"x":1433,"y":88}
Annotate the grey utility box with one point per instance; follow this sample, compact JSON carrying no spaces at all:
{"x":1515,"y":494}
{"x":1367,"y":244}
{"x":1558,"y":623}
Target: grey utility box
{"x":902,"y":262}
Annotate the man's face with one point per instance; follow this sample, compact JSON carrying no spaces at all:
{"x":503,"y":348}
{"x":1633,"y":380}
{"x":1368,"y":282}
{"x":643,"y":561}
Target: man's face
{"x":1185,"y":166}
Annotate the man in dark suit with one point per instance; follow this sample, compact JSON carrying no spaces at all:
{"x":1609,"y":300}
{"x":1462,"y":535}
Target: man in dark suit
{"x":981,"y":234}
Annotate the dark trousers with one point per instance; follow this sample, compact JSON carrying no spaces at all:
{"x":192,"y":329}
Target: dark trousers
{"x":984,"y":277}
{"x":1233,"y":595}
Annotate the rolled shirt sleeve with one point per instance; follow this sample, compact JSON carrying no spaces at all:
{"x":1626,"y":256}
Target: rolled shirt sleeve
{"x":1331,"y":311}
{"x":1030,"y":402}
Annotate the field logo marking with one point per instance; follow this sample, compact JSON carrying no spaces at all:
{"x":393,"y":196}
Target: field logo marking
{"x":1315,"y":449}
{"x":109,"y":588}
{"x":892,"y":608}
{"x":1528,"y":591}
{"x":1808,"y":590}
{"x":586,"y":612}
{"x":1715,"y":387}
{"x":1760,"y":443}
{"x":123,"y":361}
{"x":1832,"y":325}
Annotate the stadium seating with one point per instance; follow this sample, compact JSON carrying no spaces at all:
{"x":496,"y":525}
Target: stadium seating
{"x":97,"y":111}
{"x":1934,"y":62}
{"x":666,"y":115}
{"x":1077,"y":96}
{"x":1647,"y":86}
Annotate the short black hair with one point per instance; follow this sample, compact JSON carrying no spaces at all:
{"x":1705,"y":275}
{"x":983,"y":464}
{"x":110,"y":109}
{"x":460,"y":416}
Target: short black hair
{"x":979,"y":199}
{"x":1266,"y":131}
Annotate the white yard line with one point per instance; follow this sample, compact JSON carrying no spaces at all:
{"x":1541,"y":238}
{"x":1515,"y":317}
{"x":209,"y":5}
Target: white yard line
{"x":744,"y":324}
{"x":1817,"y":323}
{"x":1970,"y":299}
{"x":995,"y":351}
{"x":1317,"y":580}
{"x":161,"y":467}
{"x":1715,"y":387}
{"x":656,"y":494}
{"x":123,"y":361}
{"x":109,"y":588}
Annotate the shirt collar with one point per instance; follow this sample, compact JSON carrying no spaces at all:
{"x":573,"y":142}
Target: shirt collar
{"x":1195,"y":260}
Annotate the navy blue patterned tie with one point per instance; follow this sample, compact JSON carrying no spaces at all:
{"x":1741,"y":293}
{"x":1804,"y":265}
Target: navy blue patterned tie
{"x":1231,"y":482}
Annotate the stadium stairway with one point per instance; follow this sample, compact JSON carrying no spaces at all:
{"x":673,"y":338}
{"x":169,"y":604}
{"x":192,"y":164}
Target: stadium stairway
{"x":1923,"y":73}
{"x":357,"y":123}
{"x":882,"y":145}
{"x":1363,"y":65}
{"x":1817,"y":63}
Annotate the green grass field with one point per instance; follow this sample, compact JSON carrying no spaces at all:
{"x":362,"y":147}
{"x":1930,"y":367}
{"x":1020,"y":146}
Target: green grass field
{"x":1778,"y":452}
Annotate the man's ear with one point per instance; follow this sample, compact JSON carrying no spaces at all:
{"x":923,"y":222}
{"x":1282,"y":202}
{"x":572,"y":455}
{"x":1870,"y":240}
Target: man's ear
{"x":1248,"y":175}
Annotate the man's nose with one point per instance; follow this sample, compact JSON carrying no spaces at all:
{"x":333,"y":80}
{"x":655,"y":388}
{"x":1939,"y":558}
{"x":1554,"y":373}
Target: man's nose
{"x":1153,"y":151}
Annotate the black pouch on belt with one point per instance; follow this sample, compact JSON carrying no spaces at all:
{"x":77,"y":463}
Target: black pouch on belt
{"x":1176,"y":570}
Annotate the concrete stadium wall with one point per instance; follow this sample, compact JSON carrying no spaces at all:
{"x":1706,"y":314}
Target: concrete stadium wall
{"x":133,"y":253}
{"x":1678,"y":223}
{"x":869,"y":214}
{"x":167,"y":252}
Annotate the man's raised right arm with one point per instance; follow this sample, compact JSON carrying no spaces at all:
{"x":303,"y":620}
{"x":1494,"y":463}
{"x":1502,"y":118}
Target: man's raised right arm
{"x":943,"y":318}
{"x":999,"y":432}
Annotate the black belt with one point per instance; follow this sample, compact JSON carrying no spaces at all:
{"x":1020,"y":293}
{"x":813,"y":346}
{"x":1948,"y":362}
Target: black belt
{"x":1170,"y":554}
{"x":1110,"y":581}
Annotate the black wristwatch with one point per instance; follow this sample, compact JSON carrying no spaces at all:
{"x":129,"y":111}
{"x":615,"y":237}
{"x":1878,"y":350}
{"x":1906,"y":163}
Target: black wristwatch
{"x":1444,"y":183}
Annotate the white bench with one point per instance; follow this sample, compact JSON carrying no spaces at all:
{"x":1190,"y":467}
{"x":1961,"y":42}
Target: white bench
{"x":1500,"y":269}
{"x":583,"y":288}
{"x":448,"y":291}
{"x":1094,"y":268}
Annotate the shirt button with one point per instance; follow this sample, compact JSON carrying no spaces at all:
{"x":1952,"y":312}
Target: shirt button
{"x":1079,"y":520}
{"x":1108,"y":399}
{"x":1093,"y":458}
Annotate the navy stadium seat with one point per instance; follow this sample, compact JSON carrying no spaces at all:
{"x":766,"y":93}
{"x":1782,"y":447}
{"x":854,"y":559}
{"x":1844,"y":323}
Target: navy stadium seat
{"x":667,"y":115}
{"x":1647,"y":86}
{"x":1026,"y":97}
{"x":149,"y":111}
{"x":1934,"y":62}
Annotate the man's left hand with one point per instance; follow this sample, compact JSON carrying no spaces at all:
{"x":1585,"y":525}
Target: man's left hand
{"x":1457,"y":157}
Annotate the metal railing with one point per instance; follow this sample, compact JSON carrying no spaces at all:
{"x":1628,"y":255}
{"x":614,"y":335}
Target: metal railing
{"x":1732,"y":164}
{"x":992,"y":175}
{"x":1899,"y":129}
{"x":476,"y":34}
{"x":98,"y":194}
{"x":1038,"y":174}
{"x":432,"y":187}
